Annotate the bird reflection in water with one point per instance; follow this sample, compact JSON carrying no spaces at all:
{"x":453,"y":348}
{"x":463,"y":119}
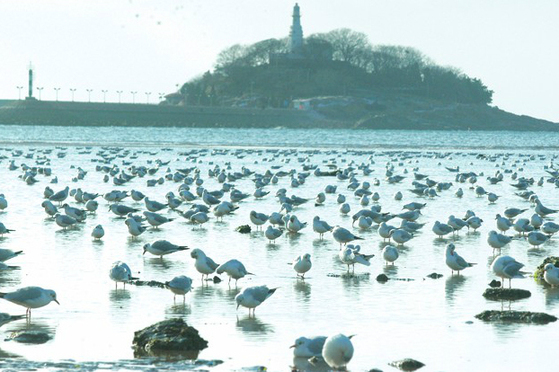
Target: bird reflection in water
{"x":251,"y":324}
{"x":303,"y":290}
{"x":452,"y":285}
{"x":310,"y":364}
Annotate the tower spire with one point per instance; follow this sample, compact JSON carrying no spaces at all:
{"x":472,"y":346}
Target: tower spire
{"x":296,"y":33}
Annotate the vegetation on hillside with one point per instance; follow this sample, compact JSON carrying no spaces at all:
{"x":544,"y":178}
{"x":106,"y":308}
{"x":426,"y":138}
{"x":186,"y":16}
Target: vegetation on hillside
{"x":340,"y":62}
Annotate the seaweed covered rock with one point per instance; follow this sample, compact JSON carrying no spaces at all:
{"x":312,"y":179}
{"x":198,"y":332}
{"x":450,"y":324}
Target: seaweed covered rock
{"x":538,"y":273}
{"x":407,"y":364}
{"x":30,"y":337}
{"x":515,"y":316}
{"x":243,"y":229}
{"x":172,"y":335}
{"x":506,"y":294}
{"x":435,"y":276}
{"x":381,"y":278}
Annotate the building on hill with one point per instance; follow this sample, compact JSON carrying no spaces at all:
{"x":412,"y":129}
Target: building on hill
{"x":301,"y":51}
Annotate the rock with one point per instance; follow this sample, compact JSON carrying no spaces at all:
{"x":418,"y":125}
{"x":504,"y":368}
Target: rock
{"x":243,"y":229}
{"x":506,"y":294}
{"x":30,"y":337}
{"x":216,"y":279}
{"x":515,"y":317}
{"x":151,"y":283}
{"x":172,"y":335}
{"x":381,"y":278}
{"x":435,"y":276}
{"x":375,"y":370}
{"x":495,"y":284}
{"x":407,"y":364}
{"x":538,"y":273}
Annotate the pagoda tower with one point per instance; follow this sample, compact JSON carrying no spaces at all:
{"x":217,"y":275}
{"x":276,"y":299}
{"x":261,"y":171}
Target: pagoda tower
{"x":296,"y":33}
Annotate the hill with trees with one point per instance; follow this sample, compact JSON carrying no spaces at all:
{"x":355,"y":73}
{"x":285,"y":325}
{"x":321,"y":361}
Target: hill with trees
{"x":341,"y":62}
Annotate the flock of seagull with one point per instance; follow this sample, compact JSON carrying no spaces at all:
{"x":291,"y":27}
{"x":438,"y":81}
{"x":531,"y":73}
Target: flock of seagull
{"x":203,"y":205}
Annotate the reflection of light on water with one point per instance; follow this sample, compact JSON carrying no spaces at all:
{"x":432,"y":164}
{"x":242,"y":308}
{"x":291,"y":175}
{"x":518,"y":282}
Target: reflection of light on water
{"x":452,"y":287}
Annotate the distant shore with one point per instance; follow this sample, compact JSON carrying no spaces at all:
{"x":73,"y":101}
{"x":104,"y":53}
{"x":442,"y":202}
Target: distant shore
{"x":394,"y":114}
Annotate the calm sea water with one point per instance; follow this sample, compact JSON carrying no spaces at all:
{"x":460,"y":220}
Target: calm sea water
{"x":428,"y":320}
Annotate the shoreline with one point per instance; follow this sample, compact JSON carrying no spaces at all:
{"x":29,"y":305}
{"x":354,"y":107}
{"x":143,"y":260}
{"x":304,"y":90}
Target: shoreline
{"x":402,"y":114}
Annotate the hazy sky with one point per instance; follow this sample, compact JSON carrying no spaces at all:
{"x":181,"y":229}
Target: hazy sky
{"x":150,"y":46}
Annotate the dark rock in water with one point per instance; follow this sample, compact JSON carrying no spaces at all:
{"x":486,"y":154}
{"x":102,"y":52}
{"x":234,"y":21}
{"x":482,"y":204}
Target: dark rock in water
{"x":375,"y":370}
{"x":381,"y":278}
{"x":515,"y":316}
{"x":435,"y":276}
{"x":172,"y":335}
{"x":506,"y":294}
{"x":216,"y":279}
{"x":243,"y":229}
{"x":151,"y":283}
{"x":538,"y":273}
{"x":495,"y":284}
{"x":30,"y":337}
{"x":407,"y":364}
{"x":350,"y":275}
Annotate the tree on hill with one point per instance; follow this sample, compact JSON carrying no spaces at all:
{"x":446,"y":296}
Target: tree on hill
{"x":338,"y":62}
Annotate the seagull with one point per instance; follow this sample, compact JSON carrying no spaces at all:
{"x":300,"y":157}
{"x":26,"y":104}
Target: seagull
{"x":455,"y":261}
{"x":536,"y":238}
{"x":60,"y":196}
{"x":4,"y":229}
{"x":390,"y":254}
{"x":542,"y":210}
{"x":153,"y":206}
{"x":507,"y":267}
{"x":120,"y":272}
{"x":272,"y":233}
{"x":337,"y":351}
{"x":64,"y":221}
{"x":155,"y":219}
{"x":163,"y":247}
{"x":98,"y":232}
{"x":456,"y":223}
{"x":203,"y":264}
{"x":400,"y":236}
{"x":252,"y":297}
{"x":344,"y":236}
{"x":258,"y":219}
{"x":550,"y":228}
{"x":6,"y":254}
{"x":50,"y":209}
{"x":496,"y":240}
{"x":321,"y":227}
{"x":134,"y":228}
{"x":122,"y":210}
{"x":474,"y":222}
{"x":294,"y":225}
{"x":441,"y":229}
{"x":302,"y":264}
{"x":30,"y":298}
{"x":350,"y":256}
{"x":6,"y":318}
{"x":308,"y":347}
{"x":503,"y":224}
{"x":513,"y":212}
{"x":136,"y":195}
{"x":180,"y":285}
{"x":234,"y":269}
{"x":384,"y":230}
{"x":551,"y":274}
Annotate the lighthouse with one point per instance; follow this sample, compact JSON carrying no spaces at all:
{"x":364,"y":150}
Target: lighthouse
{"x":30,"y":82}
{"x":296,"y":33}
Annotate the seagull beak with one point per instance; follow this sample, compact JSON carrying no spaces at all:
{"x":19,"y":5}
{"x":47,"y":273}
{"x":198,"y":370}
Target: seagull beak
{"x":55,"y":300}
{"x":144,"y":252}
{"x":292,"y":346}
{"x":238,"y":306}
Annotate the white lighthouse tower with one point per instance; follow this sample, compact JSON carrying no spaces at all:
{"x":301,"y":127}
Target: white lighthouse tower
{"x":296,"y":33}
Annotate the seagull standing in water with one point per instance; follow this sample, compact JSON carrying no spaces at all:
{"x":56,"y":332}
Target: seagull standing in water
{"x":30,"y":297}
{"x":252,"y":297}
{"x":455,"y":261}
{"x":337,"y":351}
{"x":344,"y":236}
{"x":308,"y":347}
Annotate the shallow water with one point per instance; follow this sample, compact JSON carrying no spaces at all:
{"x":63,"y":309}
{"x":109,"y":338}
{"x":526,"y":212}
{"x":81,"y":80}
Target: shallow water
{"x":425,"y":319}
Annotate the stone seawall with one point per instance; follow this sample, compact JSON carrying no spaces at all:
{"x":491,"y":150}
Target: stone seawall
{"x":114,"y":114}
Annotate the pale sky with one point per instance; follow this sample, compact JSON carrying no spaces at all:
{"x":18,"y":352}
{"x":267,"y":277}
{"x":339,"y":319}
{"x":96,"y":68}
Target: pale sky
{"x":150,"y":46}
